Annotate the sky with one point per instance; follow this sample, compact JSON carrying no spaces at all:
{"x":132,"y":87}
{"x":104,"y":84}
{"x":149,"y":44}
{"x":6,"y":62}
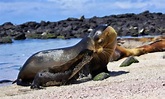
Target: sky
{"x":21,"y":11}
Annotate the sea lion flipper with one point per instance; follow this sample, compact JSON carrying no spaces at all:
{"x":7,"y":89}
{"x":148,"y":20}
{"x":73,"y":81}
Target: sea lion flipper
{"x":5,"y":81}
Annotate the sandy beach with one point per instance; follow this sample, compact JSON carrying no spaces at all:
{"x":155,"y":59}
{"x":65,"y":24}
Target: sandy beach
{"x":143,"y":80}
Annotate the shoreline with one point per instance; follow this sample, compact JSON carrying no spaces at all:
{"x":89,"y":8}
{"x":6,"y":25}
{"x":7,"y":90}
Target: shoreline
{"x":128,"y":24}
{"x":145,"y":79}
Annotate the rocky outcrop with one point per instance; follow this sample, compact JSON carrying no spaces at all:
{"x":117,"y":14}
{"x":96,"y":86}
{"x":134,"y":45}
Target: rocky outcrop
{"x":6,"y":39}
{"x":130,"y":24}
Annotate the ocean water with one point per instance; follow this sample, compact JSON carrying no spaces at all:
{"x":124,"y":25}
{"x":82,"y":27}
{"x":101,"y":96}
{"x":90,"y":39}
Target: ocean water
{"x":13,"y":56}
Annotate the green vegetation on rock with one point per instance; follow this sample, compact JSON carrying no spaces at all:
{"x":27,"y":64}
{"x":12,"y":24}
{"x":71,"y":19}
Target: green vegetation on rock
{"x":60,"y":37}
{"x":129,"y":61}
{"x":5,"y":40}
{"x":49,"y":36}
{"x":101,"y":76}
{"x":34,"y":36}
{"x":40,"y":36}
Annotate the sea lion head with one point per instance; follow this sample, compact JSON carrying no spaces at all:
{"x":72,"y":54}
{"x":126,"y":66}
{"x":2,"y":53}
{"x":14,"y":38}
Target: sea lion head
{"x":104,"y":40}
{"x":103,"y":37}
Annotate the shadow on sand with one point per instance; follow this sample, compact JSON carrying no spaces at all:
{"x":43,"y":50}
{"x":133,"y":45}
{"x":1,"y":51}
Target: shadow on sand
{"x":111,"y":74}
{"x":117,"y":73}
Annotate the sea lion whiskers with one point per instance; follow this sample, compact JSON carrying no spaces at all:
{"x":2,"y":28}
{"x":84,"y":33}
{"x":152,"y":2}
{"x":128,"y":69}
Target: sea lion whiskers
{"x":107,"y":53}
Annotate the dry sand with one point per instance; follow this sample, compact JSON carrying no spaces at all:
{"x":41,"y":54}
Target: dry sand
{"x":143,"y":80}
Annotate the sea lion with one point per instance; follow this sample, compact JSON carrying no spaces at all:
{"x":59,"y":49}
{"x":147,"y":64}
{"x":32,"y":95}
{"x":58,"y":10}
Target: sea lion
{"x":101,"y":41}
{"x":137,"y":42}
{"x":154,"y":45}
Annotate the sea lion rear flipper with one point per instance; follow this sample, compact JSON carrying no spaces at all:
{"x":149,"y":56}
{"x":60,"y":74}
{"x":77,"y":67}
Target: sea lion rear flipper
{"x":5,"y":81}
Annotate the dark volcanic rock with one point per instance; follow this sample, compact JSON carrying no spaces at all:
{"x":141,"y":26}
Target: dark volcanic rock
{"x":129,"y":61}
{"x":130,"y":24}
{"x":7,"y":25}
{"x":101,"y":76}
{"x":20,"y":36}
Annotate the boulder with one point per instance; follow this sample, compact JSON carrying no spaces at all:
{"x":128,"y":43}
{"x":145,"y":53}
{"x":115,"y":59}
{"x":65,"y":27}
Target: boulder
{"x":20,"y":36}
{"x":129,"y":61}
{"x":101,"y":76}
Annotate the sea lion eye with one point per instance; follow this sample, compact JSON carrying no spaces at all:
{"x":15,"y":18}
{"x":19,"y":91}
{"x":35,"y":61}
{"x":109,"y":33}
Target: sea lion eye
{"x":100,"y":41}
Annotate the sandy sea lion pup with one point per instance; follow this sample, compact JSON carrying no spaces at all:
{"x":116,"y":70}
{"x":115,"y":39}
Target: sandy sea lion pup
{"x":155,"y":45}
{"x":101,"y":41}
